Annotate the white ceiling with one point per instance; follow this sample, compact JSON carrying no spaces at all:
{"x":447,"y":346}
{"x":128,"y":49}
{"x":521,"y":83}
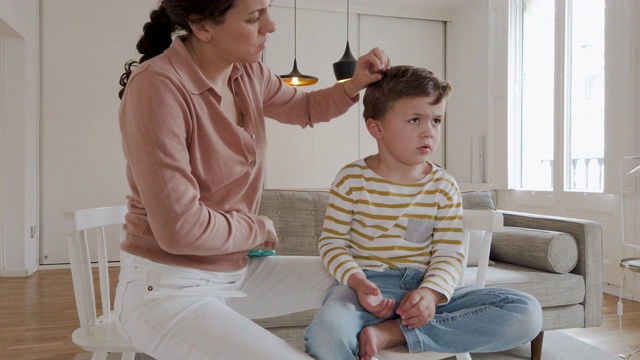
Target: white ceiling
{"x":437,"y":9}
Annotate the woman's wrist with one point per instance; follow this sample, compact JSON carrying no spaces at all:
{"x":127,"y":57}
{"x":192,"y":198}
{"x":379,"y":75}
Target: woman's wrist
{"x":350,"y":89}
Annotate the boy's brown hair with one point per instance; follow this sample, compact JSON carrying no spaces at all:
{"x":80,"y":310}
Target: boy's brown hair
{"x":401,"y":82}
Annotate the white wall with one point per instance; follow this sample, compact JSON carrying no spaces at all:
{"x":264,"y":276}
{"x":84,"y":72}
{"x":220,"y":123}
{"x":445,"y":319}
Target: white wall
{"x":81,"y":161}
{"x":19,"y":121}
{"x":82,"y":164}
{"x":75,"y":145}
{"x":82,"y":59}
{"x":467,"y":71}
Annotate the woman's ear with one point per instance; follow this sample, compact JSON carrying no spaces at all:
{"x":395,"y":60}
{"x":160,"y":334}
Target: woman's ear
{"x":374,"y":127}
{"x":202,"y":30}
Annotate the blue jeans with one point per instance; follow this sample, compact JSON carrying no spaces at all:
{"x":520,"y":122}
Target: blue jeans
{"x":474,"y":320}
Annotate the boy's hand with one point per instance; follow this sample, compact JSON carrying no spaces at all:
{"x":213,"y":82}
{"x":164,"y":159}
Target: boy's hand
{"x":370,"y":297}
{"x":272,"y":238}
{"x":418,"y":307}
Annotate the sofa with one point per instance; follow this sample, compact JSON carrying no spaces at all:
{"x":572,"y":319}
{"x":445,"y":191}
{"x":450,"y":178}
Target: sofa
{"x":558,"y":260}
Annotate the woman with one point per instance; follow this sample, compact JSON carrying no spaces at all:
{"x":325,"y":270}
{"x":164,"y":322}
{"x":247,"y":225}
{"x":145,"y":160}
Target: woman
{"x":193,"y":132}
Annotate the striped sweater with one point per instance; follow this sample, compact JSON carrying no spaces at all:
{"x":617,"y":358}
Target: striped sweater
{"x":375,"y":224}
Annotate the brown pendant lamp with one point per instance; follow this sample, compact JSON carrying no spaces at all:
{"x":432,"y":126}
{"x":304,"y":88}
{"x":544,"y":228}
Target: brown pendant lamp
{"x":295,"y":77}
{"x":346,"y":66}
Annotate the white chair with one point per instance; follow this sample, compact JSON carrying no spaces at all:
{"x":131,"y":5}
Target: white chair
{"x":486,"y":222}
{"x":97,"y":334}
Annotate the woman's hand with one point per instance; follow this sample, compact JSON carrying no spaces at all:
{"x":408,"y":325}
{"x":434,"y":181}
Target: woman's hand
{"x":367,"y":71}
{"x":272,"y":238}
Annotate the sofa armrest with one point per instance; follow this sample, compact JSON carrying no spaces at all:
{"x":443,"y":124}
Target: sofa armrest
{"x":588,"y":236}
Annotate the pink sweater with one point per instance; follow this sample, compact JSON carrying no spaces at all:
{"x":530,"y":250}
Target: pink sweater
{"x":195,"y":176}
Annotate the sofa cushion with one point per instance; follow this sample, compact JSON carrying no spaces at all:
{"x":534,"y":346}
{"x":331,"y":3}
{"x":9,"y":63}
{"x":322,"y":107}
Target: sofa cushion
{"x":551,"y":251}
{"x":478,"y":200}
{"x":298,"y":217}
{"x":543,"y":285}
{"x":551,"y":289}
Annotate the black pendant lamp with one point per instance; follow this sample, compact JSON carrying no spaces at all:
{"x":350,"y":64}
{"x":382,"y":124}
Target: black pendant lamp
{"x":346,"y":66}
{"x":295,"y":77}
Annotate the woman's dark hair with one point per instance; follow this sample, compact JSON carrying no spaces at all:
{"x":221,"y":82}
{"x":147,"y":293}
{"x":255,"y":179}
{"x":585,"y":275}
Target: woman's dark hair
{"x":401,"y":82}
{"x":172,"y":16}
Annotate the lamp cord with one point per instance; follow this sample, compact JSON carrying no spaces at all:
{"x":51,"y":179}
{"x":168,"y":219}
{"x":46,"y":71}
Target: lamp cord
{"x":347,"y":20}
{"x":295,"y":29}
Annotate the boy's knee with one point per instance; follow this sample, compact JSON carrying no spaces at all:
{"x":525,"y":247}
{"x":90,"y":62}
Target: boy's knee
{"x":531,"y":316}
{"x":327,"y":342}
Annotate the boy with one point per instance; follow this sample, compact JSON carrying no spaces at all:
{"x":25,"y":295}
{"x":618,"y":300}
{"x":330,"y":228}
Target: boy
{"x":392,"y":238}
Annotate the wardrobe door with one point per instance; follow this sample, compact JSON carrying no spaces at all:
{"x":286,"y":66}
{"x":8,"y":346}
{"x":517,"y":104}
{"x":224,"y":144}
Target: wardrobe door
{"x":310,"y":157}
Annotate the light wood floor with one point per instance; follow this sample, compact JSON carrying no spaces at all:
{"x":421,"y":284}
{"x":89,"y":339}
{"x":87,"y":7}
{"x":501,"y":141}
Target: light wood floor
{"x":37,"y":316}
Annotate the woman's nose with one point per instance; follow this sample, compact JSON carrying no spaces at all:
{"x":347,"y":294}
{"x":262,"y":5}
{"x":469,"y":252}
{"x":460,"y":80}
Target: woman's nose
{"x":269,"y":26}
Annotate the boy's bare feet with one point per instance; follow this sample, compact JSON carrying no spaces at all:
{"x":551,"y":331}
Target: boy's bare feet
{"x":377,"y":337}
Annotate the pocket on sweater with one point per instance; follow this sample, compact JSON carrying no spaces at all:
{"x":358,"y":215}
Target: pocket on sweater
{"x":419,"y":230}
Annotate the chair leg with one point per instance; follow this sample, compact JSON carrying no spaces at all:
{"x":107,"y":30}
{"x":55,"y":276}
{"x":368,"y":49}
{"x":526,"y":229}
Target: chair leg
{"x":128,"y":356}
{"x":99,"y":356}
{"x":536,"y":347}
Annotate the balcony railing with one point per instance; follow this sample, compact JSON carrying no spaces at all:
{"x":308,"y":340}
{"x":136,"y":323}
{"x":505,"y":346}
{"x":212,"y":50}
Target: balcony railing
{"x":586,"y":173}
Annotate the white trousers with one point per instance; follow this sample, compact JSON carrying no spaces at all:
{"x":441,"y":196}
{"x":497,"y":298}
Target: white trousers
{"x":172,"y":312}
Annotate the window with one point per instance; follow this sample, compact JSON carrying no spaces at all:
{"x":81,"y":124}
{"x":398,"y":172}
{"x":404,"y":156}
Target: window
{"x":560,"y":107}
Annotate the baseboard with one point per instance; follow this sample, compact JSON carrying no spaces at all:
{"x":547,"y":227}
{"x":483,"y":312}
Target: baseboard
{"x":54,"y":266}
{"x":614,"y":290}
{"x":21,"y":272}
{"x":14,"y":273}
{"x":27,"y":272}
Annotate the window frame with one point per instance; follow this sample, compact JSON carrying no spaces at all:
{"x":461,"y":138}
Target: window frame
{"x":621,"y":85}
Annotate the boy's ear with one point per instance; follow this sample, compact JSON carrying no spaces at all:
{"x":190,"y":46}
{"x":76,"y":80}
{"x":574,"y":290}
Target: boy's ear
{"x":202,"y":30}
{"x":374,"y":128}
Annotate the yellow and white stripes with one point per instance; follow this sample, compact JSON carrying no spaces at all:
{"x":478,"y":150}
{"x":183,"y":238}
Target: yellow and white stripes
{"x":373,"y":223}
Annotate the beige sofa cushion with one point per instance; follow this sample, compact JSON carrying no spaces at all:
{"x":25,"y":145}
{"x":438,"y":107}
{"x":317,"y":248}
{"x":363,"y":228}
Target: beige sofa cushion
{"x":478,"y":200}
{"x":550,"y":251}
{"x":298,"y":217}
{"x":551,"y":289}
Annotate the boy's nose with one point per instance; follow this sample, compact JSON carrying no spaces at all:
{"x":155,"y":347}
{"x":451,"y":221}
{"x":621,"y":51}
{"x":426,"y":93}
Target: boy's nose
{"x":427,"y":132}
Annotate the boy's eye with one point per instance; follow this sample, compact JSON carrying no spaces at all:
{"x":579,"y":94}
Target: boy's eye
{"x":414,"y":120}
{"x":437,"y":121}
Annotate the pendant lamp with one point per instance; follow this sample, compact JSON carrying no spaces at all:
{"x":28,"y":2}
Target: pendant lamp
{"x":346,"y":66}
{"x":295,"y":77}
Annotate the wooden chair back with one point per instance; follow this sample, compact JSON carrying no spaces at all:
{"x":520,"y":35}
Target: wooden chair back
{"x":84,"y":228}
